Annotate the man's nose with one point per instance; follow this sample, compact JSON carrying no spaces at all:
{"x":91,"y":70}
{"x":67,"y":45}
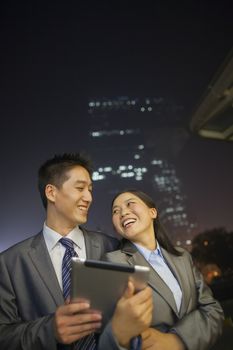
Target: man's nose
{"x":87,"y":196}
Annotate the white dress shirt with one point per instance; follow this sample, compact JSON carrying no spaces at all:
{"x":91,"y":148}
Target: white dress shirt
{"x":57,"y":250}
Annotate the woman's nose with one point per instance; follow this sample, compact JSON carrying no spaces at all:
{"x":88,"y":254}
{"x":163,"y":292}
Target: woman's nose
{"x":124,"y":212}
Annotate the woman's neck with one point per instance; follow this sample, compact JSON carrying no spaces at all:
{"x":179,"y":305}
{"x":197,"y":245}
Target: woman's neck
{"x":148,"y":241}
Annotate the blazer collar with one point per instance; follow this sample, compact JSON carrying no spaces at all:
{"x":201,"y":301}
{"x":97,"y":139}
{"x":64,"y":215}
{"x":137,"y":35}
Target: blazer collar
{"x":155,"y":281}
{"x":43,"y":264}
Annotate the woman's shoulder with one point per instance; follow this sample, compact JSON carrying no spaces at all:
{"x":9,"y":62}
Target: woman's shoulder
{"x":115,"y":256}
{"x":183,"y":253}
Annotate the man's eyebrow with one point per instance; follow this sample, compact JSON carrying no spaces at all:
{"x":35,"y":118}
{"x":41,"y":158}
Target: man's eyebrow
{"x":83,"y":182}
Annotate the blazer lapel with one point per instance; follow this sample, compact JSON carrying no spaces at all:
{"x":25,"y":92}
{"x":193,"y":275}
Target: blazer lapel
{"x":155,"y":281}
{"x":41,"y":260}
{"x":177,"y":266}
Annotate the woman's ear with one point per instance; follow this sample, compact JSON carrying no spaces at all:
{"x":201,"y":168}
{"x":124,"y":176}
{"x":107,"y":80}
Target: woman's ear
{"x":154,"y":213}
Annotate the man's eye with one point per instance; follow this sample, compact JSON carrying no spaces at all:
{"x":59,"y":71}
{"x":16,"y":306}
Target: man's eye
{"x":80,"y":188}
{"x":116,"y":211}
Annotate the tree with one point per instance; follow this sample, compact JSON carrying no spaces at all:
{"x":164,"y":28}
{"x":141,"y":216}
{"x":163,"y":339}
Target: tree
{"x":214,"y":248}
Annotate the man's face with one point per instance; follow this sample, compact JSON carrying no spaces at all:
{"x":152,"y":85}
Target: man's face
{"x":73,"y":199}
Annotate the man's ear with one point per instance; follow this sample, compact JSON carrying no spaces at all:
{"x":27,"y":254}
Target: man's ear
{"x":50,"y":192}
{"x":154,"y":213}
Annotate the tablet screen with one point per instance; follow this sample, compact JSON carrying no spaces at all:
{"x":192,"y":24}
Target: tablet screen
{"x":103,"y":283}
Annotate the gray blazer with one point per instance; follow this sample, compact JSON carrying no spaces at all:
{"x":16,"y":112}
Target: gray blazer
{"x":199,"y":321}
{"x":30,"y":292}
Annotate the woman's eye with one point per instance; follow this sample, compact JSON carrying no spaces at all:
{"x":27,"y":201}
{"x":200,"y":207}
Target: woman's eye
{"x":80,"y":188}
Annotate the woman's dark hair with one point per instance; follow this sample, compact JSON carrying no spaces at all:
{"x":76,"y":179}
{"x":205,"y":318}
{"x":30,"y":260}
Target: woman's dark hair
{"x":160,"y":231}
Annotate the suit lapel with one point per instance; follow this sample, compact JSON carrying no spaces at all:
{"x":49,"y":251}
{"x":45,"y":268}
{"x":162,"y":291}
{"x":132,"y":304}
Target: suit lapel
{"x":42,"y":262}
{"x":155,"y":281}
{"x":93,"y":249}
{"x":177,"y":266}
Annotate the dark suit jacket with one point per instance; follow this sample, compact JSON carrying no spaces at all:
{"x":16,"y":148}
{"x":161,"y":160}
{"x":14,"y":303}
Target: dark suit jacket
{"x":30,"y":292}
{"x":199,"y":321}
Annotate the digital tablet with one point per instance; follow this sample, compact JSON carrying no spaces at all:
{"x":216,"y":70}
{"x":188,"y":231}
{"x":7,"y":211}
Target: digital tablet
{"x":103,"y":283}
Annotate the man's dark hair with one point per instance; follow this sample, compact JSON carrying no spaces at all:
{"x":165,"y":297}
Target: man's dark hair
{"x":159,"y":230}
{"x":54,"y":170}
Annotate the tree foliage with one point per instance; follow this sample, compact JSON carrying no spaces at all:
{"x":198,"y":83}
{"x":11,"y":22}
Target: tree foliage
{"x":214,"y":247}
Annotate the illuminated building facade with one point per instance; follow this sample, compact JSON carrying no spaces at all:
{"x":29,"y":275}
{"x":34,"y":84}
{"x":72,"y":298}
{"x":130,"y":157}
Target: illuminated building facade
{"x":132,"y":144}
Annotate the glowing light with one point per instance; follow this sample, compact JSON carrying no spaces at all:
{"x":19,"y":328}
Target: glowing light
{"x":138,"y":178}
{"x":96,"y":176}
{"x":96,"y":134}
{"x":130,"y":174}
{"x":156,"y":162}
{"x":122,"y":167}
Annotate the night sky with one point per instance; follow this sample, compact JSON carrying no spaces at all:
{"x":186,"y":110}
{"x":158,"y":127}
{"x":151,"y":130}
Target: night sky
{"x":54,"y":57}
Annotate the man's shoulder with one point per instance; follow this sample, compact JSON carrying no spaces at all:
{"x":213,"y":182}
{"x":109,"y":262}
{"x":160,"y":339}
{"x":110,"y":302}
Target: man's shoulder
{"x":20,"y":247}
{"x":102,"y":237}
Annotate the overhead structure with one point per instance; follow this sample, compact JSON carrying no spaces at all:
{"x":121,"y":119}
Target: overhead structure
{"x":213,"y":117}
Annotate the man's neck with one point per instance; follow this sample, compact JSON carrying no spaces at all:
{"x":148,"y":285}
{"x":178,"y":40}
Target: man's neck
{"x":61,"y":227}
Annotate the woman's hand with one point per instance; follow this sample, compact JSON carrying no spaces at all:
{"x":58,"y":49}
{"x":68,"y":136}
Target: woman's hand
{"x":153,"y":339}
{"x":133,"y":314}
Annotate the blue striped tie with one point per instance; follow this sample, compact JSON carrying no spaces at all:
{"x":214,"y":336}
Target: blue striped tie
{"x":88,"y":342}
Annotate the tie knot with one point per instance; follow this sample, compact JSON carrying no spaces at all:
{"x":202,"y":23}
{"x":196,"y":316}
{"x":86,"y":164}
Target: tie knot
{"x":67,"y":243}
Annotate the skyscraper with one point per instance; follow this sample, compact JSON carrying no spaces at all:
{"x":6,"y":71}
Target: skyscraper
{"x":133,"y":143}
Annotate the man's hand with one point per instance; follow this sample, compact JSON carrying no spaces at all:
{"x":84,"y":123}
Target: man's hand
{"x":152,"y":339}
{"x":74,"y":321}
{"x":133,"y":314}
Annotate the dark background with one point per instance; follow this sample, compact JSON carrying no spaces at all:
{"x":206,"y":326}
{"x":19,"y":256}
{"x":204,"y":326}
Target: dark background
{"x":55,"y":56}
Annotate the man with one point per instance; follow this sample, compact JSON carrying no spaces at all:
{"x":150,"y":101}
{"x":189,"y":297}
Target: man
{"x":35,"y":312}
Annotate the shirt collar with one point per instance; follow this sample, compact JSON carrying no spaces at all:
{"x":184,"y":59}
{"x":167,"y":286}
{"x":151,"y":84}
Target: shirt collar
{"x":52,"y":237}
{"x":147,"y":252}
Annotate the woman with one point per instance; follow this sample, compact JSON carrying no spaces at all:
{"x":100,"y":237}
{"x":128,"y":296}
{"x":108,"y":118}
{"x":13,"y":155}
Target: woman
{"x":185,"y":314}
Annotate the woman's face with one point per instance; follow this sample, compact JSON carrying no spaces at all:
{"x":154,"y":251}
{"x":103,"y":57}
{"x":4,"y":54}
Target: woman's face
{"x":132,"y":218}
